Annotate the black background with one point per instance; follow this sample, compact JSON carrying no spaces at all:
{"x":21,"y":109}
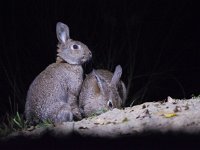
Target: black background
{"x":156,"y":43}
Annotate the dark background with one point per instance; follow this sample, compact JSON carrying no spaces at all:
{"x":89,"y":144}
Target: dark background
{"x":156,"y":43}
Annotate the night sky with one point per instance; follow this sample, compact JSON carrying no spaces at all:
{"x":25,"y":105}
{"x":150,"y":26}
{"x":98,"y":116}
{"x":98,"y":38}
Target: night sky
{"x":155,"y":42}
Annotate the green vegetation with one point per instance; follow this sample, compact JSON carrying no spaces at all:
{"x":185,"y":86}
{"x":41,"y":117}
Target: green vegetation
{"x":193,"y":96}
{"x":46,"y":123}
{"x":19,"y":121}
{"x":12,"y":123}
{"x":98,"y":112}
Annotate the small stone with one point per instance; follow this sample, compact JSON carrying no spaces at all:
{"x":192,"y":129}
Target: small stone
{"x":186,"y":107}
{"x":125,"y":119}
{"x":143,"y":106}
{"x":83,"y":127}
{"x":177,"y":109}
{"x":31,"y":128}
{"x":170,"y":100}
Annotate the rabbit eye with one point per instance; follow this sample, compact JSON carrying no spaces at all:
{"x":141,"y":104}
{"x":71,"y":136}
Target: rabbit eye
{"x":110,"y":104}
{"x":75,"y":46}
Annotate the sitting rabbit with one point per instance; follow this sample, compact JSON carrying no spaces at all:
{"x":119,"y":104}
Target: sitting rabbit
{"x":102,"y":91}
{"x":53,"y":95}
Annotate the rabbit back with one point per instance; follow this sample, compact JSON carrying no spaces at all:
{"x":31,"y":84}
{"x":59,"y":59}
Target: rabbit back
{"x":51,"y":89}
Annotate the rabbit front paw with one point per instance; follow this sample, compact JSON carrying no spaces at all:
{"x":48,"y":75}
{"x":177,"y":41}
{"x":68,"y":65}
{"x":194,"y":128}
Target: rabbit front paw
{"x":77,"y":115}
{"x":63,"y":116}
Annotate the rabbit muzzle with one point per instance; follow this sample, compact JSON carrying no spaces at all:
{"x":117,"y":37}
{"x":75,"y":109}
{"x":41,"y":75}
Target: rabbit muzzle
{"x":86,"y":58}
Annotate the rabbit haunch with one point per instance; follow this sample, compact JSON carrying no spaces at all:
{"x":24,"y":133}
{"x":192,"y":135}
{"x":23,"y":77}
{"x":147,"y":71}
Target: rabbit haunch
{"x":102,"y":90}
{"x":54,"y":92}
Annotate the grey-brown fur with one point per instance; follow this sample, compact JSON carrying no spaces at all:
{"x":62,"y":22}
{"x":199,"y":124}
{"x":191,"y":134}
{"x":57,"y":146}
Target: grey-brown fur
{"x":102,"y":90}
{"x":54,"y":92}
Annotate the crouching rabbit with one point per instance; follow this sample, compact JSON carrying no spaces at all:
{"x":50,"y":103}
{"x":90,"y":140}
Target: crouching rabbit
{"x":101,"y":91}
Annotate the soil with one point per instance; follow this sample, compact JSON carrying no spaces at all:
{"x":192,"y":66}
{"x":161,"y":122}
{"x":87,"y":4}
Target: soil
{"x":172,"y":117}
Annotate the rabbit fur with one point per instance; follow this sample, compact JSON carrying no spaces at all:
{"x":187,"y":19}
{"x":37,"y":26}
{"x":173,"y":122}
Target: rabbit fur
{"x":53,"y":95}
{"x":102,"y":90}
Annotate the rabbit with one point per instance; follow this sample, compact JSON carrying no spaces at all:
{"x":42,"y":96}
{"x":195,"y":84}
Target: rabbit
{"x":53,"y":95}
{"x":101,"y":91}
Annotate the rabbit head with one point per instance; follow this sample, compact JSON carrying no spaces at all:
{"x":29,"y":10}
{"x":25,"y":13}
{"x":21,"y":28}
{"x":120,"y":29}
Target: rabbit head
{"x":102,"y":90}
{"x":70,"y":51}
{"x":108,"y":91}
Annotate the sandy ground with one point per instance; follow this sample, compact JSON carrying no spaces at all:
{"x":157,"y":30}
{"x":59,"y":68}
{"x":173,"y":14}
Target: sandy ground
{"x":172,"y":115}
{"x":170,"y":124}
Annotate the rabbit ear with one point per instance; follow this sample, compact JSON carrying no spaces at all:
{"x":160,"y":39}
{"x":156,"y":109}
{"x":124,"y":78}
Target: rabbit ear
{"x":99,"y":82}
{"x":122,"y":92}
{"x":62,"y":32}
{"x":117,"y":75}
